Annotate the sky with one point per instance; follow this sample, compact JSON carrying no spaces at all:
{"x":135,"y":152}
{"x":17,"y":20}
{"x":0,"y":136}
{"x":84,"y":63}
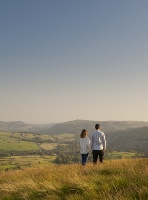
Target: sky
{"x":62,"y":60}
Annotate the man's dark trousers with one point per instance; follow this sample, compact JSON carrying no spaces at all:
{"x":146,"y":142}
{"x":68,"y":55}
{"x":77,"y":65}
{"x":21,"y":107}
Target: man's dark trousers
{"x":97,"y":153}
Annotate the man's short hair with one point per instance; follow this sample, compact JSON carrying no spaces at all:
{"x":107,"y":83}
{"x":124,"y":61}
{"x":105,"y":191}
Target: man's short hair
{"x":97,"y":126}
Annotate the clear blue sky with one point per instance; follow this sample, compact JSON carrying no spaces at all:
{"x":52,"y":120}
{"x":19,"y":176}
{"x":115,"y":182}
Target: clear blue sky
{"x":62,"y":60}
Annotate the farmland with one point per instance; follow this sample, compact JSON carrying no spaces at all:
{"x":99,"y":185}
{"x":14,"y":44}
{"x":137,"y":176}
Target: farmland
{"x":8,"y":143}
{"x":21,"y":162}
{"x":22,"y":150}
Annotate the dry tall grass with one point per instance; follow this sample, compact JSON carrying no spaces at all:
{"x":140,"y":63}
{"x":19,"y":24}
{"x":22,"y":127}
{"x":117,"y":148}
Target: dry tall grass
{"x":125,"y":179}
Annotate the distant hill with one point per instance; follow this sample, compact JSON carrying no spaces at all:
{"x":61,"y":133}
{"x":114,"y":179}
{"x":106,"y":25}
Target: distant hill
{"x":76,"y":126}
{"x":72,"y":127}
{"x":19,"y":126}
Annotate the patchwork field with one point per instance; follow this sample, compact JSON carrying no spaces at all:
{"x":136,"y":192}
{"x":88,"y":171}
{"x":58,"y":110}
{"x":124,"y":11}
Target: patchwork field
{"x":48,"y":146}
{"x":65,"y":136}
{"x":21,"y":162}
{"x":118,"y":155}
{"x":12,"y":142}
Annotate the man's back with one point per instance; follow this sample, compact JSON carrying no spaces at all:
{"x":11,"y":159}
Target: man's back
{"x":98,"y":141}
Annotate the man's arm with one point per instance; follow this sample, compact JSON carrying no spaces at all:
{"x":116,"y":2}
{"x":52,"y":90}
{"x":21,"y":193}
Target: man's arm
{"x":104,"y":141}
{"x":91,"y":141}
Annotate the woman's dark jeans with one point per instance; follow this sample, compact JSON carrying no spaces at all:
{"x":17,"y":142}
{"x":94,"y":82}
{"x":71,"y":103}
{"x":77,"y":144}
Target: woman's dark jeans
{"x":84,"y":158}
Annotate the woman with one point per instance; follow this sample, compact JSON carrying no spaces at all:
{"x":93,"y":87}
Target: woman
{"x":84,"y":146}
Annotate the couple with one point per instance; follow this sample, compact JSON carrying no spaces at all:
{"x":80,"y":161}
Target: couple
{"x":97,"y":143}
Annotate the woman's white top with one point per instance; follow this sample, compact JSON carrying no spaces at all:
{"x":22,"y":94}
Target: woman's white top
{"x":84,"y":145}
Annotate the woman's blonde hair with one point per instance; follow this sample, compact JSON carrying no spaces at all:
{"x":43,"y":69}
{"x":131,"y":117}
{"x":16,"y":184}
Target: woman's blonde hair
{"x":83,"y":133}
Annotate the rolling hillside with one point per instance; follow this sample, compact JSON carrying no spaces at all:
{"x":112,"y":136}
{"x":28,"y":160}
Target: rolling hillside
{"x":120,"y":135}
{"x":129,"y":139}
{"x":72,"y":127}
{"x":19,"y":126}
{"x":76,"y":126}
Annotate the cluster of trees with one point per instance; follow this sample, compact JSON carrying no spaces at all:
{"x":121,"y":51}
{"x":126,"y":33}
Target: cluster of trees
{"x":41,"y":152}
{"x":68,"y":153}
{"x":67,"y":159}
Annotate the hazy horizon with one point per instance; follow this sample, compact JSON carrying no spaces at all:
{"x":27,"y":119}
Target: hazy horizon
{"x":47,"y":123}
{"x":67,"y":60}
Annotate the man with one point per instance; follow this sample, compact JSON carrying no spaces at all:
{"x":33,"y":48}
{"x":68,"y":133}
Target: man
{"x":98,"y":144}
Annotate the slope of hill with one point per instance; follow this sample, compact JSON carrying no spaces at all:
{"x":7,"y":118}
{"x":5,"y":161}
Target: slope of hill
{"x":76,"y":126}
{"x":19,"y":126}
{"x":114,"y":179}
{"x":129,"y":139}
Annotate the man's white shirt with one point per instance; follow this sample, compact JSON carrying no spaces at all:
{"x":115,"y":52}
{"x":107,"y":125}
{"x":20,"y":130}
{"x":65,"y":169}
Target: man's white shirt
{"x":97,"y":140}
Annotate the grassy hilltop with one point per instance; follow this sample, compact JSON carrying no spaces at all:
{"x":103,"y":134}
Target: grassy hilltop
{"x":124,"y":179}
